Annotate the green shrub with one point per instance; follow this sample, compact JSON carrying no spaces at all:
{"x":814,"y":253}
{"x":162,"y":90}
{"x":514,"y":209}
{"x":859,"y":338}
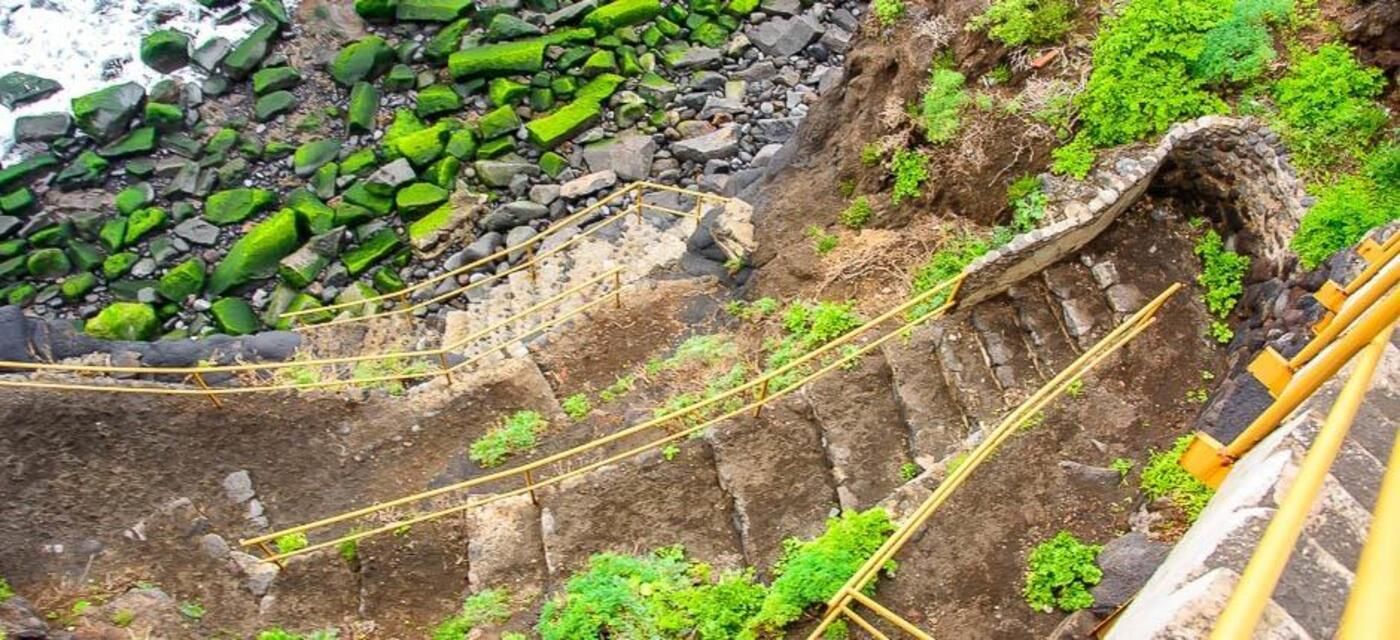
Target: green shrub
{"x":1327,"y":108}
{"x":944,"y":98}
{"x":1163,"y":476}
{"x":1346,"y":210}
{"x":517,"y":433}
{"x":1075,"y":159}
{"x":822,"y":242}
{"x":888,"y":12}
{"x":1141,"y":82}
{"x":857,"y":213}
{"x":811,"y":571}
{"x":808,"y":327}
{"x":1234,"y":51}
{"x":1060,"y":572}
{"x":945,"y":263}
{"x":1021,"y":22}
{"x":1028,"y":201}
{"x":1222,"y":273}
{"x":281,"y":634}
{"x":291,"y":542}
{"x":577,"y":406}
{"x":487,"y":607}
{"x":910,"y":169}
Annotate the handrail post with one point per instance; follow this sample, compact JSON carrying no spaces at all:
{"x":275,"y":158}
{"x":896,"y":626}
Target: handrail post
{"x":637,"y":202}
{"x":617,"y":289}
{"x":530,"y":262}
{"x":446,"y":370}
{"x":530,"y":486}
{"x":281,"y":564}
{"x":199,"y":380}
{"x":762,"y":396}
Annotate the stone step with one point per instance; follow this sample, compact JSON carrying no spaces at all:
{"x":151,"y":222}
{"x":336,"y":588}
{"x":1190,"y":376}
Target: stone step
{"x":1006,"y":348}
{"x":965,"y":366}
{"x":504,"y":548}
{"x":863,"y":430}
{"x":1083,"y":308}
{"x":1038,"y":315}
{"x":639,"y":505}
{"x":776,"y":470}
{"x":935,"y":419}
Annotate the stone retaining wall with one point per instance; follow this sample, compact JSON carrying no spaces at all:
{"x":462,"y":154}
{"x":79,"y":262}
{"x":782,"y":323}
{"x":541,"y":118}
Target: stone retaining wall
{"x":1237,"y":162}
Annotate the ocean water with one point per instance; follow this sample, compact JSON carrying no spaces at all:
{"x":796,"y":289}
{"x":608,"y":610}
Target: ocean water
{"x":88,"y":44}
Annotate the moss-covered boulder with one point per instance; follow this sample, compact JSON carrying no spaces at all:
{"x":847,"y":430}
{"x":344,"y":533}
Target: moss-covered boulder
{"x":17,"y":202}
{"x":164,"y":117}
{"x":142,"y":222}
{"x":363,"y":109}
{"x":446,"y":41}
{"x":568,"y":121}
{"x":139,"y":141}
{"x":621,"y":13}
{"x":462,"y":144}
{"x":273,"y":10}
{"x":376,"y":10}
{"x":499,"y":122}
{"x":313,"y":215}
{"x":506,"y":26}
{"x":124,"y":321}
{"x":104,"y":114}
{"x":166,"y":50}
{"x":249,"y":52}
{"x":432,"y":10}
{"x":419,"y":198}
{"x":312,"y":155}
{"x":443,"y":173}
{"x":182,"y":281}
{"x":436,"y":100}
{"x":275,"y":79}
{"x":117,"y":264}
{"x":256,"y":254}
{"x":364,"y":59}
{"x":234,"y":316}
{"x":504,"y":58}
{"x":74,"y":287}
{"x":22,"y":172}
{"x":361,"y":195}
{"x":236,"y":205}
{"x":86,"y":170}
{"x":504,"y":91}
{"x":274,"y":104}
{"x":48,"y":264}
{"x":370,"y":250}
{"x":423,"y":147}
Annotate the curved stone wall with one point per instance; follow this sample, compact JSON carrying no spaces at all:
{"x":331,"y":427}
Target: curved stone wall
{"x":1237,"y":162}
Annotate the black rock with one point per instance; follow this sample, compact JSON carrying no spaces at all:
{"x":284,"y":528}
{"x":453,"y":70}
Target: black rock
{"x":18,"y":88}
{"x":43,"y":127}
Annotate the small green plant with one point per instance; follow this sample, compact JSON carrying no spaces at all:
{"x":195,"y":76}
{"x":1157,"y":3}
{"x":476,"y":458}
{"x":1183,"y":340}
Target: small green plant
{"x":1123,"y":466}
{"x":6,"y":591}
{"x":734,"y":264}
{"x":846,"y":188}
{"x":1075,"y":159}
{"x":349,"y":551}
{"x":577,"y":406}
{"x":291,"y":542}
{"x":1221,"y":332}
{"x":123,"y":618}
{"x":857,"y":213}
{"x":368,"y":372}
{"x":670,"y":451}
{"x":822,"y":242}
{"x":956,"y":462}
{"x":908,"y":471}
{"x":1164,"y":477}
{"x":1075,"y":388}
{"x":850,"y":357}
{"x":1059,"y":573}
{"x":1000,"y":74}
{"x":945,"y":263}
{"x":79,"y":608}
{"x":516,"y":434}
{"x":1028,"y":202}
{"x":837,"y":630}
{"x":1197,"y":396}
{"x":1222,"y":276}
{"x":1021,"y":22}
{"x":943,"y":101}
{"x":910,"y":169}
{"x":402,"y":530}
{"x":620,"y":387}
{"x":190,"y":609}
{"x":280,"y":634}
{"x":1034,"y":420}
{"x":888,"y":12}
{"x":1347,"y":209}
{"x":487,"y":607}
{"x":871,"y":154}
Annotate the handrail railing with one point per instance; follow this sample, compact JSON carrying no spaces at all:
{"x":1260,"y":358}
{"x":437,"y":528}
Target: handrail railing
{"x":1261,"y":574}
{"x":528,"y":246}
{"x":198,"y":373}
{"x":840,"y":603}
{"x":760,"y":388}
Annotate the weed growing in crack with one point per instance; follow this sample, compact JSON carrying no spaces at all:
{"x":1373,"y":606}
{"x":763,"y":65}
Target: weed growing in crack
{"x":1075,"y":388}
{"x":1164,"y":477}
{"x":888,"y":12}
{"x":577,"y":406}
{"x":871,"y":154}
{"x":1017,"y":23}
{"x":670,"y":451}
{"x":946,"y":263}
{"x":822,"y":242}
{"x":908,"y":471}
{"x":1059,"y":573}
{"x":349,"y":551}
{"x":1028,"y":201}
{"x":123,"y":618}
{"x":516,"y":434}
{"x":6,"y":591}
{"x":943,"y":100}
{"x":191,"y":609}
{"x":620,"y":387}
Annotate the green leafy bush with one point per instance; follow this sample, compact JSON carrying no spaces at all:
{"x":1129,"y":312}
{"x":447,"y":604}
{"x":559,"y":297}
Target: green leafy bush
{"x":910,"y":169}
{"x":1141,"y":82}
{"x":577,"y":406}
{"x":281,"y":634}
{"x":1327,"y":107}
{"x":857,"y":213}
{"x":1021,"y":22}
{"x":1235,"y":51}
{"x":870,"y":154}
{"x":1060,"y":572}
{"x":822,"y":242}
{"x":487,"y":607}
{"x":516,"y":434}
{"x":808,"y":327}
{"x":888,"y":12}
{"x":1163,"y":476}
{"x":811,"y":571}
{"x":1222,"y":273}
{"x":1342,"y":215}
{"x":944,"y":98}
{"x":1075,"y":159}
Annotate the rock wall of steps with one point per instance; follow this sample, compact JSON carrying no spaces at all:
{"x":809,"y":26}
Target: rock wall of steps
{"x":1188,"y":591}
{"x":1236,"y":162}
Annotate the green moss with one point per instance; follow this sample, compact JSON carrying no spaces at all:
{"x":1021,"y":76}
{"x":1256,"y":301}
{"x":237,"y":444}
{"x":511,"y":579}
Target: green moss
{"x":182,"y":281}
{"x":74,"y":287}
{"x":620,"y":13}
{"x":257,"y":253}
{"x":370,"y":251}
{"x":419,"y":198}
{"x":234,"y":316}
{"x":236,"y":205}
{"x":48,"y":264}
{"x":431,"y":10}
{"x":362,"y":60}
{"x":124,"y":321}
{"x":506,"y":92}
{"x":437,"y":100}
{"x":142,"y":222}
{"x":275,"y":79}
{"x":503,"y":58}
{"x":568,"y":121}
{"x":498,"y":122}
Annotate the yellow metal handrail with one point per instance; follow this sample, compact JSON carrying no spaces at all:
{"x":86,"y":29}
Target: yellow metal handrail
{"x":1375,"y":591}
{"x":759,"y":387}
{"x":635,"y":189}
{"x":1261,"y":575}
{"x":840,"y":602}
{"x":199,"y":373}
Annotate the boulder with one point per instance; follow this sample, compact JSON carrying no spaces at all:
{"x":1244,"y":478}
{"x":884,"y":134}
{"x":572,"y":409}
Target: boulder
{"x":303,"y":265}
{"x":48,"y":264}
{"x":784,"y":37}
{"x":1127,"y":563}
{"x":621,"y":13}
{"x":504,"y":58}
{"x":234,"y":316}
{"x":628,"y":156}
{"x":499,"y":173}
{"x":587,"y":185}
{"x":104,"y":114}
{"x":437,"y":100}
{"x":124,"y":321}
{"x":275,"y":79}
{"x":514,"y":214}
{"x":370,"y":250}
{"x":363,"y":109}
{"x":565,"y":123}
{"x":419,"y":198}
{"x":717,"y":145}
{"x":388,"y":178}
{"x":437,"y":227}
{"x":166,"y":50}
{"x":506,"y":26}
{"x":362,"y":60}
{"x":274,"y":104}
{"x":445,"y":42}
{"x":208,"y":55}
{"x":139,"y":141}
{"x":236,"y":205}
{"x":43,"y":127}
{"x":17,"y":88}
{"x":498,"y":122}
{"x":313,"y":155}
{"x":248,"y":53}
{"x":182,"y":281}
{"x":257,"y":253}
{"x":431,"y":10}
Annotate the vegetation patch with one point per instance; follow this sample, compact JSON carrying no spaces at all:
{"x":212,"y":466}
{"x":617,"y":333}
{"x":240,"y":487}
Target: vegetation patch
{"x":516,"y":434}
{"x":1348,"y":208}
{"x":1327,"y":109}
{"x":491,"y":606}
{"x":1017,"y":23}
{"x":1222,"y":276}
{"x":943,"y":100}
{"x":1164,"y":477}
{"x":945,"y":263}
{"x":888,"y":12}
{"x":910,"y":169}
{"x":857,"y":213}
{"x":1059,"y":573}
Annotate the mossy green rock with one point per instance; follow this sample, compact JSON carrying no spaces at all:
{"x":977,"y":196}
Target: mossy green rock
{"x":387,"y":281}
{"x":359,"y":194}
{"x":504,"y":58}
{"x":372,"y":249}
{"x":164,"y":117}
{"x":256,"y":254}
{"x":23,"y":171}
{"x":499,"y":122}
{"x":142,"y":222}
{"x":11,"y":248}
{"x":445,"y":42}
{"x":621,"y":13}
{"x":113,"y":234}
{"x":601,"y":61}
{"x":358,"y":162}
{"x":402,"y":78}
{"x":88,"y":169}
{"x":419,"y":198}
{"x":505,"y":26}
{"x":443,"y":173}
{"x":234,"y":316}
{"x":124,"y":321}
{"x":432,"y":10}
{"x":710,"y":34}
{"x":236,"y":205}
{"x":599,"y":88}
{"x":182,"y":281}
{"x":506,"y":92}
{"x":141,"y":140}
{"x":553,"y":164}
{"x":85,"y":256}
{"x":315,"y":216}
{"x":437,"y":100}
{"x":462,"y":144}
{"x":48,"y":264}
{"x":363,"y":109}
{"x":249,"y":52}
{"x":104,"y":114}
{"x":362,"y":60}
{"x":423,"y":147}
{"x":12,"y":268}
{"x":76,"y":286}
{"x":275,"y":79}
{"x":274,"y":104}
{"x":273,"y":10}
{"x":376,"y":10}
{"x":568,"y":121}
{"x":17,"y":202}
{"x":165,"y":50}
{"x":495,"y":148}
{"x":313,"y":155}
{"x":348,"y":214}
{"x":117,"y":264}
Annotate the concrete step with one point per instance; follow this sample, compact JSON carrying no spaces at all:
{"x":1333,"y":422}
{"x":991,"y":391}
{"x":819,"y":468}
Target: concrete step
{"x":1004,"y":343}
{"x":967,"y":370}
{"x":863,"y":430}
{"x":775,"y":469}
{"x":1083,"y":308}
{"x":936,"y":423}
